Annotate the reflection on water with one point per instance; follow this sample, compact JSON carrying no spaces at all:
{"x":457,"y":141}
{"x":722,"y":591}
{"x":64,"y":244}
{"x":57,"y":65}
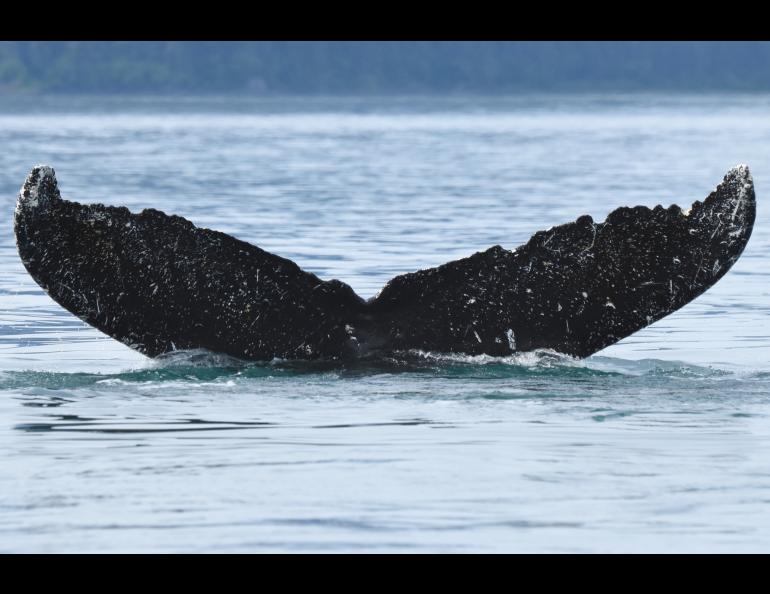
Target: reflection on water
{"x":658,"y":443}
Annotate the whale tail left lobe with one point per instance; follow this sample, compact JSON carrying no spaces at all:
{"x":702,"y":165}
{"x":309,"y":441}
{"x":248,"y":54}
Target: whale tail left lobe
{"x":159,"y":283}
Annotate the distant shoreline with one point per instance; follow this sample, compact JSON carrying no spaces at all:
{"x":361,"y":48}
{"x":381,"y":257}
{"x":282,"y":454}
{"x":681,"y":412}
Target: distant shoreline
{"x":609,"y":93}
{"x":381,"y":68}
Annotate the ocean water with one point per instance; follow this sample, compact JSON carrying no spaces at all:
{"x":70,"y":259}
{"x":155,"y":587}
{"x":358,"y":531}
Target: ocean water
{"x":658,"y":443}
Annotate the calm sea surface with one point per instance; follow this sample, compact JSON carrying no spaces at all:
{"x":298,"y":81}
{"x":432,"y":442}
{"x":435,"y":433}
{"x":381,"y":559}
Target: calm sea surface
{"x":659,"y":443}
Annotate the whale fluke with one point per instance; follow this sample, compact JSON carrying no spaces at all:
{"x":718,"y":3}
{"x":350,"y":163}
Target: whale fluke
{"x":158,"y":283}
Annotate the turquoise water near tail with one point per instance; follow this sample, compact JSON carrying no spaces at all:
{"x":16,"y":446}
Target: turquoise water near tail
{"x":658,"y":443}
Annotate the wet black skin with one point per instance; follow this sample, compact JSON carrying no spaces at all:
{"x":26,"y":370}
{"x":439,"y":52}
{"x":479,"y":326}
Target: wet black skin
{"x":158,"y":283}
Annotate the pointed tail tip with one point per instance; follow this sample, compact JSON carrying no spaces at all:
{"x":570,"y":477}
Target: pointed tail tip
{"x":738,"y":185}
{"x":740,"y":173}
{"x":40,"y":187}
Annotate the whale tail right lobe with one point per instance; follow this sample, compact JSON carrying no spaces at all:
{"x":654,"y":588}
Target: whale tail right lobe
{"x":576,"y":288}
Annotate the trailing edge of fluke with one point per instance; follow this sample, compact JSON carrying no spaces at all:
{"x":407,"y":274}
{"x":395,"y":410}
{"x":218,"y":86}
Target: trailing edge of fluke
{"x":158,"y":283}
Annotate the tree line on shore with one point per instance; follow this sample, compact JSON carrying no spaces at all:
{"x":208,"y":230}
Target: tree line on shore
{"x":325,"y":67}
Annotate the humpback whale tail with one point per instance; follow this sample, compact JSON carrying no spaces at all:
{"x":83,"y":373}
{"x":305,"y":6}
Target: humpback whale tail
{"x":159,"y":283}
